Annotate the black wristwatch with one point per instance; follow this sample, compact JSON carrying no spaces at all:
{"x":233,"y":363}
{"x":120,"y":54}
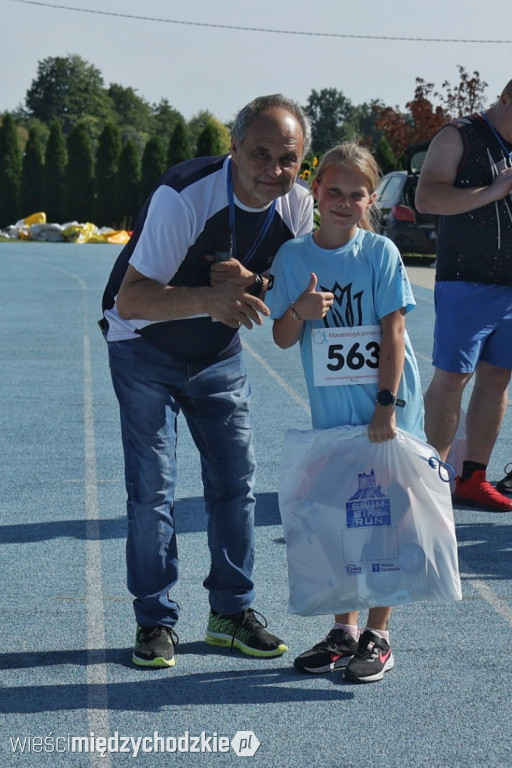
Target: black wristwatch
{"x":385,"y":397}
{"x":256,"y":288}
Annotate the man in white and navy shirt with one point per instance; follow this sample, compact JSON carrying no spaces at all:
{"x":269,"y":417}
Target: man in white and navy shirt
{"x":171,"y":315}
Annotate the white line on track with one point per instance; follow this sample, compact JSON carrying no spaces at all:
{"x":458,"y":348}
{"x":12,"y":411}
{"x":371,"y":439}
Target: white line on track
{"x":274,"y":374}
{"x":97,"y":696}
{"x":502,"y":608}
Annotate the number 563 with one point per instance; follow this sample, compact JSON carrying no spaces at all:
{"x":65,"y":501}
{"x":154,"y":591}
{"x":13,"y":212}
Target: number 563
{"x":355,"y":358}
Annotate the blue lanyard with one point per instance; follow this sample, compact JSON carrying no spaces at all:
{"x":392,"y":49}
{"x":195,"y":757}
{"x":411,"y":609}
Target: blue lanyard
{"x":265,"y":226}
{"x":497,"y":136}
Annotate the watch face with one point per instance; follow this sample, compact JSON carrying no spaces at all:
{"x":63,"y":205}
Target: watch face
{"x":385,"y":397}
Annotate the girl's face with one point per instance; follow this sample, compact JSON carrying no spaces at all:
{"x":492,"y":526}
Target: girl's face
{"x":343,"y":198}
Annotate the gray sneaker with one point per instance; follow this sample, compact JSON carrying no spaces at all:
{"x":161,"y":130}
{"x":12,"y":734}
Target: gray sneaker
{"x":335,"y":651}
{"x":373,"y":658}
{"x":154,"y":646}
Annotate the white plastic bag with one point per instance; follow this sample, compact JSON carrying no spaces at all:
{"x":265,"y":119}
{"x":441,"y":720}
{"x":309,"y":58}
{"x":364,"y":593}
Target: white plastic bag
{"x":365,"y":523}
{"x":457,"y":450}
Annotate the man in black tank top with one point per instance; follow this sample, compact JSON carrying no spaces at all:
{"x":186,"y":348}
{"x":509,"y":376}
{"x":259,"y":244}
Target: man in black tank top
{"x":467,"y":180}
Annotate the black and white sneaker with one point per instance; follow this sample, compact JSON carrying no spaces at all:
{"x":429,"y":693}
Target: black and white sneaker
{"x":505,"y":484}
{"x":373,"y":658}
{"x":154,"y":646}
{"x":335,"y":651}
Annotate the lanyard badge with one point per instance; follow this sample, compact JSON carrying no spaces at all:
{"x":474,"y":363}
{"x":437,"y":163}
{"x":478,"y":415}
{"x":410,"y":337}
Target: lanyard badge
{"x":267,"y":223}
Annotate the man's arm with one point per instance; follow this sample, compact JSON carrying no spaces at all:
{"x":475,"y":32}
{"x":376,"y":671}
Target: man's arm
{"x":140,"y":297}
{"x":232,"y":269}
{"x":436,"y":192}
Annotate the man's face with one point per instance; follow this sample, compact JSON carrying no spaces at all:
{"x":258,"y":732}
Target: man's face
{"x":266,"y":163}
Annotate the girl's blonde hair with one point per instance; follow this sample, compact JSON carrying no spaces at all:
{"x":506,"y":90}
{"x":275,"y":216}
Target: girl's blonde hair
{"x":351,"y":153}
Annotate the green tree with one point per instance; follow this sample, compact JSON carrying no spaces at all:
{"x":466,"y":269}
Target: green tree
{"x":137,"y":138}
{"x":195,"y":125}
{"x":179,"y":145}
{"x":10,"y":172}
{"x":223,"y":136}
{"x":79,"y":196}
{"x":384,"y":156}
{"x":128,"y":183}
{"x":54,"y":174}
{"x":208,"y":142}
{"x":70,"y":89}
{"x":31,"y":189}
{"x":165,"y":119}
{"x":152,"y":167}
{"x":363,"y":122}
{"x":107,"y":160}
{"x":199,"y":122}
{"x":328,"y":111}
{"x":130,"y":109}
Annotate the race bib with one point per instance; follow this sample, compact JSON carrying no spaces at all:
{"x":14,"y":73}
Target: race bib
{"x":346,"y":355}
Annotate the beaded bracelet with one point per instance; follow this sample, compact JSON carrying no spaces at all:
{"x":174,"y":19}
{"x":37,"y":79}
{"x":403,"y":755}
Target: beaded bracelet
{"x":295,"y":314}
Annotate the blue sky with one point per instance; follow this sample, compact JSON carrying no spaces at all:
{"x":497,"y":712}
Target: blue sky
{"x":199,"y":67}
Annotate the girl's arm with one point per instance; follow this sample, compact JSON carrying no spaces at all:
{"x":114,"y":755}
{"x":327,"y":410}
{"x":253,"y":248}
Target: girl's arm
{"x":391,"y":363}
{"x":311,"y":305}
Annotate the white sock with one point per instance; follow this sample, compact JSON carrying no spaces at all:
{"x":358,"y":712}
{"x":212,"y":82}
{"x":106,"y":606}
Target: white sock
{"x":380,"y":632}
{"x":350,"y":629}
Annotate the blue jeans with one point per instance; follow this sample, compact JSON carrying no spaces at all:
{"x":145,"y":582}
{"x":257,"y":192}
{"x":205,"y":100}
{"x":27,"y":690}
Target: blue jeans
{"x":152,"y":388}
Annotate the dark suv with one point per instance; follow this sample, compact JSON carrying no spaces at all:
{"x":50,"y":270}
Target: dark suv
{"x":411,"y":231}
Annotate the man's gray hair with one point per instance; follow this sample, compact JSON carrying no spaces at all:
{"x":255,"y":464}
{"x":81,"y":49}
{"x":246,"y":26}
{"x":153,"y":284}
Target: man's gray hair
{"x":247,"y":114}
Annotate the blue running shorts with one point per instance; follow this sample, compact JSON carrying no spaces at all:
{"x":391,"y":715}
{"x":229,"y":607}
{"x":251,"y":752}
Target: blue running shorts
{"x":473,"y":323}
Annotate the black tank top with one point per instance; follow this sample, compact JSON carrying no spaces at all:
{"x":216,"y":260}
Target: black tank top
{"x":477,"y":246}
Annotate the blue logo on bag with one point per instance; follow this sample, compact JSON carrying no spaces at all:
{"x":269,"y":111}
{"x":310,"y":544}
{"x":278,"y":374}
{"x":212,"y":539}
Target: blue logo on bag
{"x":368,"y":506}
{"x":384,"y":567}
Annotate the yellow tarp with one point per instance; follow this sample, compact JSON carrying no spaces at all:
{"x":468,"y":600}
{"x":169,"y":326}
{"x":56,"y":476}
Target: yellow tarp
{"x":73,"y":232}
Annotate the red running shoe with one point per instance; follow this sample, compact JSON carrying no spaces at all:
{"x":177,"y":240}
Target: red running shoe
{"x":477,"y":492}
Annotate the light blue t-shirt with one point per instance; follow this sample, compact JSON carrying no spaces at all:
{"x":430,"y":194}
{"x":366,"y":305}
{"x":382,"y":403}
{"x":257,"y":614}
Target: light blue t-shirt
{"x":369,"y":281}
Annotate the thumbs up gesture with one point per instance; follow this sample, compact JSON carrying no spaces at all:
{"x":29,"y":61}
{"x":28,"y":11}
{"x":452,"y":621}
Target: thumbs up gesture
{"x":313,"y":304}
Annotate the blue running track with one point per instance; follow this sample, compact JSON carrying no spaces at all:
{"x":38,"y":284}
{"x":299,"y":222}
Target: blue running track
{"x":67,"y":624}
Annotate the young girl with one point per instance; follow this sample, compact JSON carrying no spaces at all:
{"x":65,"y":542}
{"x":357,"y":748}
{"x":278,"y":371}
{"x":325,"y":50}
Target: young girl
{"x":344,"y":276}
